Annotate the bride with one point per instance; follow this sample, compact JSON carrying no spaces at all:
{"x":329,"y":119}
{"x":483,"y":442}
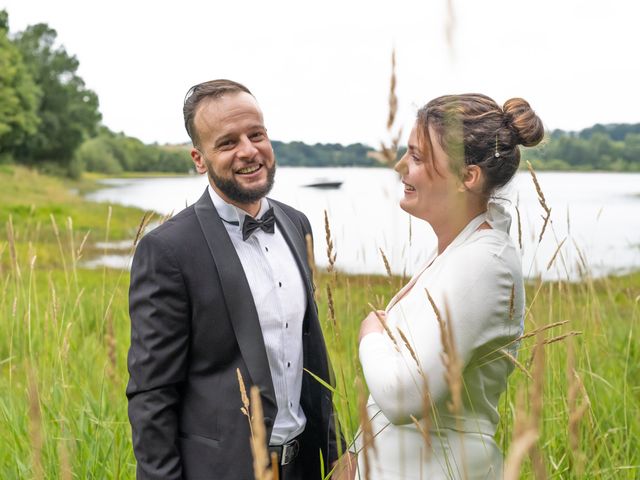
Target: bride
{"x":462,"y":149}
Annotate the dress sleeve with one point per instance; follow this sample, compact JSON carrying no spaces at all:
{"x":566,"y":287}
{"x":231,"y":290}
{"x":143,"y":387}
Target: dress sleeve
{"x":473,"y":292}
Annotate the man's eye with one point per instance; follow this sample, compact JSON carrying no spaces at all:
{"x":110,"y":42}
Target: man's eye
{"x":258,"y":136}
{"x":225,"y":144}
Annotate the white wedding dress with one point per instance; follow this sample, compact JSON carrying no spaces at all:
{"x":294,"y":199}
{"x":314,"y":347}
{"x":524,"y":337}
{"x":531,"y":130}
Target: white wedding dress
{"x":471,"y":283}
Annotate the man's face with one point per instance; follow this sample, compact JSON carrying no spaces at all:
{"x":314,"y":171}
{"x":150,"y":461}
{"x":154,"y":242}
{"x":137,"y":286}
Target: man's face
{"x":234,"y":149}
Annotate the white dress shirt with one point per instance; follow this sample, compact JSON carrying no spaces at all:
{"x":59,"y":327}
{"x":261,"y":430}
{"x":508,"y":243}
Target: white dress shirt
{"x":471,"y":283}
{"x":279,"y":295}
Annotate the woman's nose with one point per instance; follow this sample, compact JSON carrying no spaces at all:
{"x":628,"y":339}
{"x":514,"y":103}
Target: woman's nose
{"x":401,"y":166}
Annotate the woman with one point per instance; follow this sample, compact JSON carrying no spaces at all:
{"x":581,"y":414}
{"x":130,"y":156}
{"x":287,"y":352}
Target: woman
{"x":462,"y":149}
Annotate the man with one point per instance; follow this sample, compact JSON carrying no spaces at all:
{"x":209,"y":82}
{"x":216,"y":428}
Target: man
{"x":224,"y":286}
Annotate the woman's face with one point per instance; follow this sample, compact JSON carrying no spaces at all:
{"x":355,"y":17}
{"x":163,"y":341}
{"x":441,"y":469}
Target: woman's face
{"x":430,"y":188}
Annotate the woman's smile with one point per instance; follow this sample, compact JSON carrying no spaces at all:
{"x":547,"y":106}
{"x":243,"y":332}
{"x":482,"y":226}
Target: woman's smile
{"x":408,"y":189}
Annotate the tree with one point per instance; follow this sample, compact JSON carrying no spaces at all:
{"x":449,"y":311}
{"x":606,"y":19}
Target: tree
{"x":68,"y":111}
{"x":111,"y":152}
{"x":95,"y":155}
{"x":631,"y":152}
{"x":19,"y":95}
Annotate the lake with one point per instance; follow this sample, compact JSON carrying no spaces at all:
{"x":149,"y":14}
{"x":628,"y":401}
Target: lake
{"x":597,"y":213}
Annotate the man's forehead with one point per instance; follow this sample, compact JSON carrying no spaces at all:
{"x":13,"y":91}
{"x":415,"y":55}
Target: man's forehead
{"x":228,"y":102}
{"x":217,"y":111}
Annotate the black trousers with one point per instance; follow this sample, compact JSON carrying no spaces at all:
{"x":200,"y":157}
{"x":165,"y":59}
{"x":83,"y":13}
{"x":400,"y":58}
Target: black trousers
{"x":292,"y":471}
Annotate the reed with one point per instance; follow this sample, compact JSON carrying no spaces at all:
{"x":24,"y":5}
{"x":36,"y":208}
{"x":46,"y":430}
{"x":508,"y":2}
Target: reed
{"x":35,"y":427}
{"x":385,"y":261}
{"x":541,"y":199}
{"x":331,"y":255}
{"x":261,"y":459}
{"x":311,"y":260}
{"x":332,"y":310}
{"x":384,"y":324}
{"x":555,"y":253}
{"x":389,"y":152}
{"x":453,"y":372}
{"x":144,"y":222}
{"x":527,"y":425}
{"x":519,"y":223}
{"x":450,"y":358}
{"x":515,"y":361}
{"x":368,"y":449}
{"x":66,"y":473}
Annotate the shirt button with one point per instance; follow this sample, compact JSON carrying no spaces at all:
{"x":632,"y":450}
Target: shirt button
{"x":291,"y":404}
{"x":266,"y":248}
{"x":288,"y":364}
{"x":286,"y":325}
{"x":279,"y":284}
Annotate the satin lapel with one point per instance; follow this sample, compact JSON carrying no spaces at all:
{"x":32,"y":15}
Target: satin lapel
{"x":298,"y":246}
{"x":237,"y":294}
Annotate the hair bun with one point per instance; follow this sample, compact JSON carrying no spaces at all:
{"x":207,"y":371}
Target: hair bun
{"x":524,"y":121}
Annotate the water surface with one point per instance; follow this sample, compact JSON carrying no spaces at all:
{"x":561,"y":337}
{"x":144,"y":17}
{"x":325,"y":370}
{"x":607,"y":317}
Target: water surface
{"x":597,"y":213}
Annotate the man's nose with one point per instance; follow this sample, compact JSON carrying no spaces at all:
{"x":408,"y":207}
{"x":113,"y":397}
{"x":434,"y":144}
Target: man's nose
{"x":246,"y":148}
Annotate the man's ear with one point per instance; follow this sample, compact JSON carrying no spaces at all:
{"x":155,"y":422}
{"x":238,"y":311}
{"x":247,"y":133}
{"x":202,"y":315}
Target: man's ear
{"x":472,"y":179}
{"x":198,"y":160}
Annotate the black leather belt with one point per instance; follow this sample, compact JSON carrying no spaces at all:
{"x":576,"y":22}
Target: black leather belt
{"x":287,"y":452}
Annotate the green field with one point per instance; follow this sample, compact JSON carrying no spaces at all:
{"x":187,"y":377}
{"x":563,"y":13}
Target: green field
{"x":65,"y":338}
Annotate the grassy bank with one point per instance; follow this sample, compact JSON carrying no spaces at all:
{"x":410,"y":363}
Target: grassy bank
{"x":65,"y":338}
{"x":34,"y":202}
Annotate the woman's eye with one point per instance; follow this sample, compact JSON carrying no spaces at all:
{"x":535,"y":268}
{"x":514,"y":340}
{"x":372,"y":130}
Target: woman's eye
{"x":416,"y":159}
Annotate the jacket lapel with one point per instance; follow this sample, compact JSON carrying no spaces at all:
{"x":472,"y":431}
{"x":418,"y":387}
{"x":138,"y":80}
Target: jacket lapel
{"x":237,"y":294}
{"x":297,"y":245}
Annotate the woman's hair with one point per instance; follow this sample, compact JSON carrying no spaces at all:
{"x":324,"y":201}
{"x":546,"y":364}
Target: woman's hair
{"x":473,"y":130}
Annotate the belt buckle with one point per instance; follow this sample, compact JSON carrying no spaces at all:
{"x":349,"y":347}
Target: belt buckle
{"x":289,"y":452}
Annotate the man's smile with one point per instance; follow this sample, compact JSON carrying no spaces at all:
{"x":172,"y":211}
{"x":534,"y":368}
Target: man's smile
{"x":249,"y":170}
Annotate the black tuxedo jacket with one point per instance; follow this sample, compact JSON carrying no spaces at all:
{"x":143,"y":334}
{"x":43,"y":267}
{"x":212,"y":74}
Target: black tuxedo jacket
{"x":193,"y":323}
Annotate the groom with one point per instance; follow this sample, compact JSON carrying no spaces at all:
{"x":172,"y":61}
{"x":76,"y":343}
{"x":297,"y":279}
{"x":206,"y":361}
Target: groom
{"x":222,"y":287}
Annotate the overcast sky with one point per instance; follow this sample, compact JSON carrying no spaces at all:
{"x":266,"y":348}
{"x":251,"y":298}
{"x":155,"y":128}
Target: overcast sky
{"x":320,"y":70}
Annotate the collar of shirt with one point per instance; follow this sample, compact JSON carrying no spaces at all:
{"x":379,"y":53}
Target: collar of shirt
{"x":230,"y":213}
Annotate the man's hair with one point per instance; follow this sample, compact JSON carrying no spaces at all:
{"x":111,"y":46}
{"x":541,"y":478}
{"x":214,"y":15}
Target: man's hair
{"x":197,"y":93}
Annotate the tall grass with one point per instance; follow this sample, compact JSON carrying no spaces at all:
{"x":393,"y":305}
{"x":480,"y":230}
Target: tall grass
{"x":64,"y":336}
{"x":63,"y":372}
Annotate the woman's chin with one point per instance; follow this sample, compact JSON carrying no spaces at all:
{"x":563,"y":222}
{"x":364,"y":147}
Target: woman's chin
{"x":406,"y":204}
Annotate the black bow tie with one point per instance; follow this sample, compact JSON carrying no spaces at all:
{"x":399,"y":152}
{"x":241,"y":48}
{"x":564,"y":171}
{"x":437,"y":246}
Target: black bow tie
{"x":266,"y":223}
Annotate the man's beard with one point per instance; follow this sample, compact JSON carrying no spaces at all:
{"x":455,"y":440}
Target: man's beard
{"x":236,"y":193}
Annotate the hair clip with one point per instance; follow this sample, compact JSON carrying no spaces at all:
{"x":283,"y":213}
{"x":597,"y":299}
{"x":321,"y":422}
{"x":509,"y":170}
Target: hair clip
{"x":497,"y":154}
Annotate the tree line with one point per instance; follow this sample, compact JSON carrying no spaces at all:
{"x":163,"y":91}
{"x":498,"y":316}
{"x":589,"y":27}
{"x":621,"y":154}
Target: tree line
{"x":613,"y":147}
{"x":50,"y":120}
{"x":299,"y":154}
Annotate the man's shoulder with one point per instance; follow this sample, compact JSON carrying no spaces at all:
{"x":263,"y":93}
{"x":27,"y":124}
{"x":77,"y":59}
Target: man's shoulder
{"x":175,"y":228}
{"x":288,"y":209}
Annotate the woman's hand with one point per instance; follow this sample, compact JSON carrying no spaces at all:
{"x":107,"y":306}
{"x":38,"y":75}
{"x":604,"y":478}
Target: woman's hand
{"x":372,"y":324}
